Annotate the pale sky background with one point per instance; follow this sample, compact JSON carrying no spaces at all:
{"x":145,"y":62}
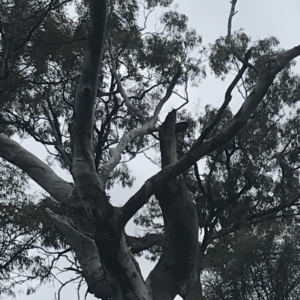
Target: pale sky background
{"x":260,"y":19}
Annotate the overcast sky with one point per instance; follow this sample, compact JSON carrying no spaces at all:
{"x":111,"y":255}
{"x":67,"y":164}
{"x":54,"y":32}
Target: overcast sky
{"x":259,"y":19}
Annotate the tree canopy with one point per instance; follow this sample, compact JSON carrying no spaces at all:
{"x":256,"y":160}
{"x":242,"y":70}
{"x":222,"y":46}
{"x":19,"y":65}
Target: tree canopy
{"x":92,"y":89}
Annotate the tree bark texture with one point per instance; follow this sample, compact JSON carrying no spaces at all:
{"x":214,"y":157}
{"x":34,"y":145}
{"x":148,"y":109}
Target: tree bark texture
{"x":180,"y":220}
{"x":109,"y":267}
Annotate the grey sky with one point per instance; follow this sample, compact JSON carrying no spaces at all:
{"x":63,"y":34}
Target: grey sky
{"x":259,"y":18}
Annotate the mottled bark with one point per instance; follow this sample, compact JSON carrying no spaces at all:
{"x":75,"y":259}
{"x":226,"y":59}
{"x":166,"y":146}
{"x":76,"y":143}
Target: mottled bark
{"x":121,"y":271}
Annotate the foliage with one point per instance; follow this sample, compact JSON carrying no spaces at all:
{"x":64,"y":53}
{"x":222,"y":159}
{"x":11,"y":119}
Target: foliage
{"x":246,"y":196}
{"x":258,"y":263}
{"x":247,"y":182}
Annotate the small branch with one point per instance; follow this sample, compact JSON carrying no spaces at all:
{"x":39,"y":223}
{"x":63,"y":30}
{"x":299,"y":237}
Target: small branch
{"x":232,"y":45}
{"x":270,"y":213}
{"x":231,"y":14}
{"x":146,"y":91}
{"x":107,"y":94}
{"x":167,"y":95}
{"x":104,"y":131}
{"x":115,"y":153}
{"x":131,"y":108}
{"x":227,"y":100}
{"x":57,"y":135}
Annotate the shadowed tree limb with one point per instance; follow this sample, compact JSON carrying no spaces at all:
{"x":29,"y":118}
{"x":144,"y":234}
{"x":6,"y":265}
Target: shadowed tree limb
{"x":180,"y":220}
{"x":227,"y":100}
{"x":87,"y":255}
{"x":121,"y":270}
{"x":137,"y":245}
{"x":201,"y":148}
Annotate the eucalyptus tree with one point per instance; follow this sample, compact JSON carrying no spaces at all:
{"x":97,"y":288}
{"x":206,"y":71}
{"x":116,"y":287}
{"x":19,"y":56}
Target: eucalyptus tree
{"x":92,"y":91}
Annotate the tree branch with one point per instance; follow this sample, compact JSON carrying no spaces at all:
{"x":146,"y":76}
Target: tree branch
{"x":88,"y":183}
{"x":227,"y":100}
{"x":87,"y":254}
{"x":121,"y":269}
{"x":147,"y":127}
{"x":168,"y":94}
{"x":57,"y":135}
{"x":138,"y":245}
{"x":180,"y":222}
{"x":232,"y":45}
{"x":42,"y":174}
{"x":199,"y":149}
{"x":131,"y":108}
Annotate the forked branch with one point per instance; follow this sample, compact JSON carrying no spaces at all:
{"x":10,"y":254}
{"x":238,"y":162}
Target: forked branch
{"x":147,"y":127}
{"x":201,"y":148}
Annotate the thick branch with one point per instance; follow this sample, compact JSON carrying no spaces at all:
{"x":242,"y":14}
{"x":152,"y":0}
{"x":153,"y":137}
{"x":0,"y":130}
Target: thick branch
{"x":90,"y":188}
{"x":138,"y":245}
{"x":87,"y":254}
{"x":181,"y":226}
{"x":199,"y":149}
{"x":121,"y":269}
{"x":42,"y":174}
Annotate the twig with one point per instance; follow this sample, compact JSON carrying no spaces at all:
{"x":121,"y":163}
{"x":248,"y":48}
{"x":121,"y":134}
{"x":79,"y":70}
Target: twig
{"x":230,"y":41}
{"x":132,"y":109}
{"x":57,"y":136}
